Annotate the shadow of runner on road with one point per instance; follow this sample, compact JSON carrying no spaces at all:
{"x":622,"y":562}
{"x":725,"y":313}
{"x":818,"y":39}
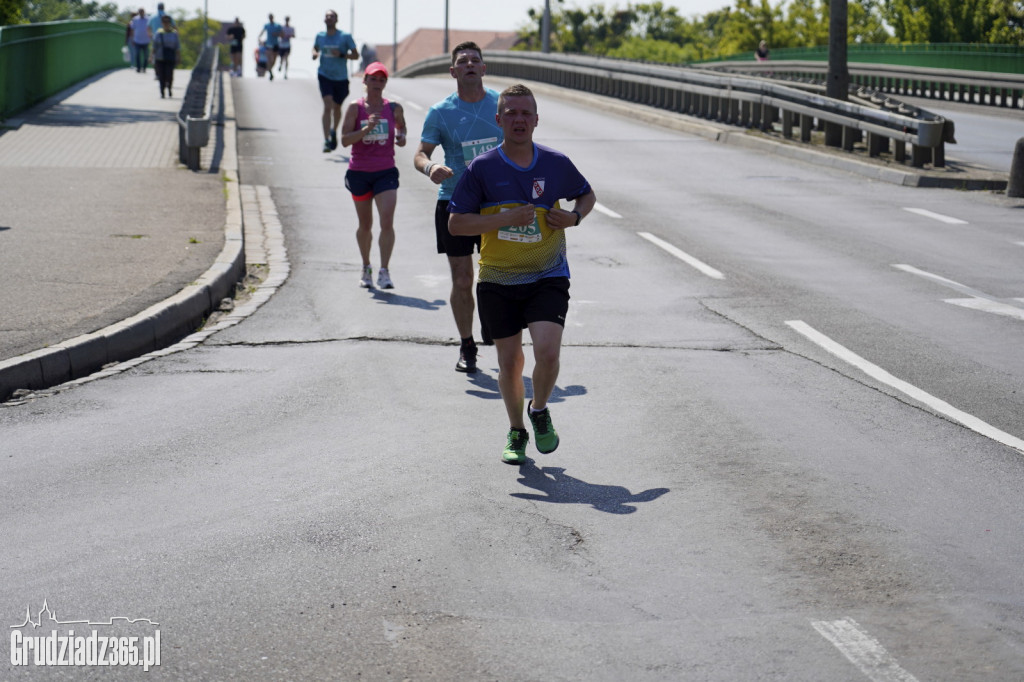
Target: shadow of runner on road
{"x":488,"y":386}
{"x":408,"y":301}
{"x":563,"y":489}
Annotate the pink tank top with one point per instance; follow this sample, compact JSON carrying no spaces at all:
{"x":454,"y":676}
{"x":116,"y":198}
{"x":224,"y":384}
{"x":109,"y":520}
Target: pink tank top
{"x":376,"y":151}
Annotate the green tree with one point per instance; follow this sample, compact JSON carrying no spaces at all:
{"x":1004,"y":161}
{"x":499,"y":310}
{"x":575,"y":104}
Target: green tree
{"x":190,"y":33}
{"x":940,"y":21}
{"x":37,"y":11}
{"x":1008,"y":27}
{"x":10,"y":12}
{"x":641,"y":50}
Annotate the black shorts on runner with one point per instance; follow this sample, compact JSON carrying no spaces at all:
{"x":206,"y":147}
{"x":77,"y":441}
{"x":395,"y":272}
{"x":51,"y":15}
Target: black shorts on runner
{"x":364,"y":185}
{"x":336,"y":90}
{"x":284,"y":51}
{"x":506,"y":309}
{"x":448,"y":243}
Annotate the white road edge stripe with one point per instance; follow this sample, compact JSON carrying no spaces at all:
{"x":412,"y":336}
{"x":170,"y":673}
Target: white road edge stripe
{"x":607,"y":211}
{"x":683,"y":256}
{"x":863,"y":650}
{"x":936,"y":216}
{"x":876,"y":372}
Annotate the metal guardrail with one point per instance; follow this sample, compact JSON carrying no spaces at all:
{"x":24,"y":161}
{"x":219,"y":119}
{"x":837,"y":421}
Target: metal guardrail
{"x":975,"y":87}
{"x":732,"y":99}
{"x":196,"y":114}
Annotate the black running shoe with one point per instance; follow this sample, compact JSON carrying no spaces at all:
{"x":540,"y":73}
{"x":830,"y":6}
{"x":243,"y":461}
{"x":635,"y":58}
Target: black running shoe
{"x":334,"y":140}
{"x":467,"y":360}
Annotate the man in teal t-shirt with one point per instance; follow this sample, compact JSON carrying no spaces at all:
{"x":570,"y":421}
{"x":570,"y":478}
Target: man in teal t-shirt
{"x":273,"y":31}
{"x":463,"y":124}
{"x":333,"y":48}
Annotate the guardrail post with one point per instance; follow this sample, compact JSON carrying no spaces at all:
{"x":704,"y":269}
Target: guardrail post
{"x":1015,"y":186}
{"x":806,"y":126}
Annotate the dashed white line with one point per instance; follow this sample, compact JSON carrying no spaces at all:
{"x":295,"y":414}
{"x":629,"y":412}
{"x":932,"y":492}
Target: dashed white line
{"x":601,"y":208}
{"x":876,"y":372}
{"x":978,"y":300}
{"x":863,"y":650}
{"x":407,"y":102}
{"x":936,"y":216}
{"x":683,"y":256}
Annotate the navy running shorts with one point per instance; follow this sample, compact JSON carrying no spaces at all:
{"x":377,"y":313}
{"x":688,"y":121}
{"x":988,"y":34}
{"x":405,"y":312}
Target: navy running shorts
{"x":364,"y":185}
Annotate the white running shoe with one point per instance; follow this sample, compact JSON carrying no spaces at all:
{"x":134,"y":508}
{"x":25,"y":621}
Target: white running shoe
{"x":384,"y":279}
{"x":367,"y":281}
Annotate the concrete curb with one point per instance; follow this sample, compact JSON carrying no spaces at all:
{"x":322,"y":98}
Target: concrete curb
{"x":158,"y":326}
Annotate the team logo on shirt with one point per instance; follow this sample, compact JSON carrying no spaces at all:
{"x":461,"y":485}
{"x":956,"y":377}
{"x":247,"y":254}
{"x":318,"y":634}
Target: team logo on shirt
{"x":538,"y":188}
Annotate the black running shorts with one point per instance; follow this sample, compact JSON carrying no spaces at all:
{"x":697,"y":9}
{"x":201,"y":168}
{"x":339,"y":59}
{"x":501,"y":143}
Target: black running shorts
{"x":453,"y":245}
{"x":506,"y":309}
{"x":336,"y":90}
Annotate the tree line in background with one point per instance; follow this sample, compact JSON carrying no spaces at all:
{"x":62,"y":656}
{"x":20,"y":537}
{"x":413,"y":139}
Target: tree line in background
{"x":651,"y":31}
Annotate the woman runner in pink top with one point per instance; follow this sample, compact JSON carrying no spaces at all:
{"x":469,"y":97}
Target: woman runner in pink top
{"x":372,"y":127}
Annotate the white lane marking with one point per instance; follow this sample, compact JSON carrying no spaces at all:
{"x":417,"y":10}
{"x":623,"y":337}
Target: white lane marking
{"x":683,"y":256}
{"x":936,"y":216}
{"x":406,"y":102}
{"x":863,"y":650}
{"x":978,"y":300}
{"x":607,"y":211}
{"x":927,"y":275}
{"x":989,"y":306}
{"x":876,"y":372}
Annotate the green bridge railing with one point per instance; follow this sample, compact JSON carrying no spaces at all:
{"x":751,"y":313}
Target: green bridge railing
{"x":959,"y":56}
{"x":40,"y":60}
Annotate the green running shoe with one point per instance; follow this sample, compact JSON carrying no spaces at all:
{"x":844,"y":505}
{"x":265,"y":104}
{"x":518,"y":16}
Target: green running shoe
{"x":515,"y":450}
{"x":543,"y":430}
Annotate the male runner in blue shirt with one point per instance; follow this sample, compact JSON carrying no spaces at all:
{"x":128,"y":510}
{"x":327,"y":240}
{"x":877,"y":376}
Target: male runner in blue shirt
{"x":333,"y":48}
{"x":511,"y":197}
{"x":463,"y":124}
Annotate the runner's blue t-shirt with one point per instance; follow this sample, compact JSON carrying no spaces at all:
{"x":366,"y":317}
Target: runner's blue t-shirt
{"x":334,"y":68}
{"x":494,"y":183}
{"x":464,"y":130}
{"x":273,"y":33}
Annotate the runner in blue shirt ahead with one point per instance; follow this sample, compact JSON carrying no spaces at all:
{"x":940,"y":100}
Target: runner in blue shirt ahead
{"x":273,"y":31}
{"x":512,"y":197}
{"x":333,"y":48}
{"x":463,"y":124}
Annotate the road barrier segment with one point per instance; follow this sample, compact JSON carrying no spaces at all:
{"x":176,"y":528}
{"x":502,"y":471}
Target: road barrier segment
{"x":197,"y":107}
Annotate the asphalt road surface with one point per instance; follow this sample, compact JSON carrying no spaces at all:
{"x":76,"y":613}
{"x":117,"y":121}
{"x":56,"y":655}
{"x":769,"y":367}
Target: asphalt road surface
{"x":790,"y":413}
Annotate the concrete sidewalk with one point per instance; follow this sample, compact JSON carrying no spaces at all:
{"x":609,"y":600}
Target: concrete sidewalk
{"x":109,"y":248}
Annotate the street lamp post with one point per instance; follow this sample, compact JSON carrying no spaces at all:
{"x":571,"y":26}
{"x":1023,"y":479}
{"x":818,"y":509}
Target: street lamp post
{"x":545,"y":28}
{"x":446,"y":26}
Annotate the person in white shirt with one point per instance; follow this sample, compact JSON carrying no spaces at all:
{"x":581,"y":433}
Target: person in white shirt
{"x":284,"y":45}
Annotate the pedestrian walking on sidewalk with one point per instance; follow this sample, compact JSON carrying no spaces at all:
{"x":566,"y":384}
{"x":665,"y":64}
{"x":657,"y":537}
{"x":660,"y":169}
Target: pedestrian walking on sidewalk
{"x":463,"y":124}
{"x":166,"y":54}
{"x":333,"y":48}
{"x":372,"y":127}
{"x":128,"y":39}
{"x":511,"y":197}
{"x":141,"y":37}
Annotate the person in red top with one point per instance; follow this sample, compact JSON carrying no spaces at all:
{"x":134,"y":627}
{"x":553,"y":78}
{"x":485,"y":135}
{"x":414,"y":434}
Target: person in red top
{"x":372,"y":127}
